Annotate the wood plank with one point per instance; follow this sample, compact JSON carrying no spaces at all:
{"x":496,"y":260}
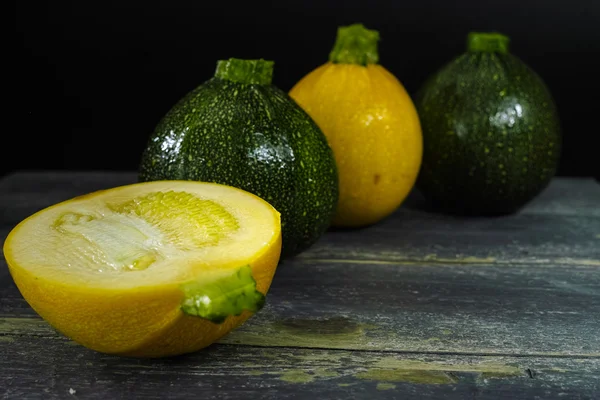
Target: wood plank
{"x":414,"y":237}
{"x":23,"y":193}
{"x":568,"y":196}
{"x":421,"y":305}
{"x":561,"y":227}
{"x":461,"y":309}
{"x":57,"y":369}
{"x":564,"y":196}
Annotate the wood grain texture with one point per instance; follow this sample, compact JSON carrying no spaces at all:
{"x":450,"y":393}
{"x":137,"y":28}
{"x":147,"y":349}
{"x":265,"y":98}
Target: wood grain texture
{"x":41,"y":368}
{"x":422,"y":305}
{"x":560,"y":227}
{"x":459,"y":309}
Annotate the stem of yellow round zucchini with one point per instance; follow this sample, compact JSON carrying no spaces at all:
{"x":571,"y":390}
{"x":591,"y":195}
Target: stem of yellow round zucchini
{"x":355,"y":44}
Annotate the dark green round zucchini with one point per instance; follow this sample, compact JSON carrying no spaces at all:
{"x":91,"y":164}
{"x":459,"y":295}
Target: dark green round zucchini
{"x":491,"y":131}
{"x":238,"y":129}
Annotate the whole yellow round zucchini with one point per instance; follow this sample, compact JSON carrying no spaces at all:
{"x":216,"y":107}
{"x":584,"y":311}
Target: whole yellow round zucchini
{"x":371,"y":124}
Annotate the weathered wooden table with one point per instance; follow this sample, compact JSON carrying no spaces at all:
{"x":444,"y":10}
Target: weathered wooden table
{"x":421,"y":306}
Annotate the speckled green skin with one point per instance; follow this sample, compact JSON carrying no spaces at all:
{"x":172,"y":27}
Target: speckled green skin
{"x":254,"y":137}
{"x":491,"y":135}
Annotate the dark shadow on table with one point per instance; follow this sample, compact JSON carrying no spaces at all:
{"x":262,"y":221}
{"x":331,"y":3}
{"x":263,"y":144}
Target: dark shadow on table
{"x":417,"y":203}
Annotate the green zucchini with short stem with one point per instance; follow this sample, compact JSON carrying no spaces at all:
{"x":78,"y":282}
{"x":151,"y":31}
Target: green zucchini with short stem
{"x":240,"y":130}
{"x":491,"y":131}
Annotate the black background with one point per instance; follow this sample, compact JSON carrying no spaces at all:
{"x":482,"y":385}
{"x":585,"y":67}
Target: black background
{"x":91,"y":79}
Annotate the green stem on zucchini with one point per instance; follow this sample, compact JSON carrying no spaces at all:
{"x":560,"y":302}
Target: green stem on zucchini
{"x":487,"y":42}
{"x":245,"y":71}
{"x":355,"y":44}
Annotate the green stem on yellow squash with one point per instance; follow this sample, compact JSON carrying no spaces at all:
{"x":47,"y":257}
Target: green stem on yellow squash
{"x":355,"y":44}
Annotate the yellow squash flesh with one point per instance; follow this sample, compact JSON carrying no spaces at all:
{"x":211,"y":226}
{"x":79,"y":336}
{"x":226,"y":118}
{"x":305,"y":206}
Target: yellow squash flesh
{"x":137,"y":312}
